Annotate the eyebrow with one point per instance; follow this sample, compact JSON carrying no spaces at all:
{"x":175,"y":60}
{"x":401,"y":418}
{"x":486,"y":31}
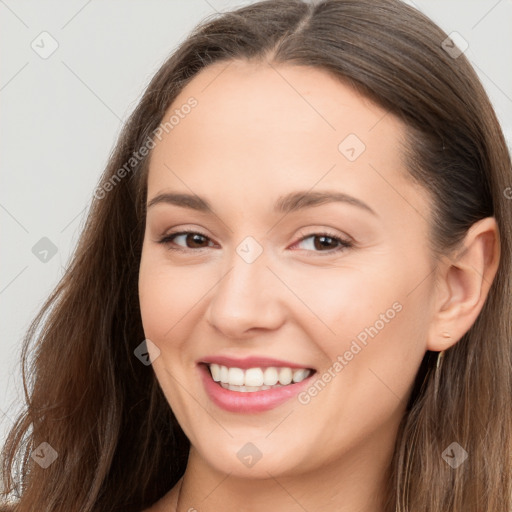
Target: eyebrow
{"x":288,"y":203}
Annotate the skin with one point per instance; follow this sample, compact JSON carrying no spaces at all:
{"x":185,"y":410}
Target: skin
{"x":260,"y":131}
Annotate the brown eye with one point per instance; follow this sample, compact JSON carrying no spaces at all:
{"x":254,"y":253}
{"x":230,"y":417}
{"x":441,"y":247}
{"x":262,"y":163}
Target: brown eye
{"x":325,"y":242}
{"x":191,"y":239}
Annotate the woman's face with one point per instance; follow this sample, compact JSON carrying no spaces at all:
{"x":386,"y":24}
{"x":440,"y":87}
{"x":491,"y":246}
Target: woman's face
{"x":341,"y":287}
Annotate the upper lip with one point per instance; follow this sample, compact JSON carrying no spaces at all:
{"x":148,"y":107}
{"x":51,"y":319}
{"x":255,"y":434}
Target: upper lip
{"x":250,"y":362}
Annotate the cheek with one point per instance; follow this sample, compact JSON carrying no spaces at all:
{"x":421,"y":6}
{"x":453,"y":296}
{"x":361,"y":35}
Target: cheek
{"x":167,"y":295}
{"x":376,"y":319}
{"x":371,"y":361}
{"x":166,"y":298}
{"x":347,"y":299}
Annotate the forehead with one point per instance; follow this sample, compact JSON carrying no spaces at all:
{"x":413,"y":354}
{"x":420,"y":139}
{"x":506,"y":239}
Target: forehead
{"x":265,"y":128}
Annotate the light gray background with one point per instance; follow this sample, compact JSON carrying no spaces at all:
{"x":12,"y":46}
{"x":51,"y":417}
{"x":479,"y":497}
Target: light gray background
{"x":61,"y":116}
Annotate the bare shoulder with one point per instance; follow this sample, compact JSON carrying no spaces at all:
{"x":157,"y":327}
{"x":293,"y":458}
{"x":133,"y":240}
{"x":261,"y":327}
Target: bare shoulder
{"x":168,"y":502}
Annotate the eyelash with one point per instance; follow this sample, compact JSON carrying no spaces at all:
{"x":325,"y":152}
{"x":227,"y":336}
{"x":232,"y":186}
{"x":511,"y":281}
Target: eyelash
{"x":343,"y":244}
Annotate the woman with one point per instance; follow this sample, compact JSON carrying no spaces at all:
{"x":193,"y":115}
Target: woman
{"x":201,"y":354}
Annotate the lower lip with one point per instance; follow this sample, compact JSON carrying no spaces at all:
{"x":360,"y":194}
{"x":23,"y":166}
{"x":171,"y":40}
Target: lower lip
{"x":249,"y":402}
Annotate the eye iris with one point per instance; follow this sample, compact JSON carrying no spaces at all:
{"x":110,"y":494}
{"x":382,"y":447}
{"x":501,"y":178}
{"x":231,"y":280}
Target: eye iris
{"x":195,"y":237}
{"x":322,"y":244}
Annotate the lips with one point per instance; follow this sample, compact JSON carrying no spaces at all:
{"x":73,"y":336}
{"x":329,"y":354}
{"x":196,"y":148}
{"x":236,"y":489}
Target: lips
{"x":253,"y":384}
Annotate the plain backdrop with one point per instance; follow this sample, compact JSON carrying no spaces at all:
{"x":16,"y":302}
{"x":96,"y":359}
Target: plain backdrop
{"x":62,"y":112}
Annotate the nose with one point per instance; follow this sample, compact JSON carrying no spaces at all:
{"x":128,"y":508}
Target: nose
{"x":249,"y":297}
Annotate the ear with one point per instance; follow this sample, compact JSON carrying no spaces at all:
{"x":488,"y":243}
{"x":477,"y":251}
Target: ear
{"x":463,"y":283}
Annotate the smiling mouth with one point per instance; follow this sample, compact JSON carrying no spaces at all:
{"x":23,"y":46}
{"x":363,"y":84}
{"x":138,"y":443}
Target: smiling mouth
{"x":256,"y":379}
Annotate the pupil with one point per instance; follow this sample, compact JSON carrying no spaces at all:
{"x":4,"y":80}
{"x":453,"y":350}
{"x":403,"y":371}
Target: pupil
{"x":323,"y":244}
{"x":196,"y":238}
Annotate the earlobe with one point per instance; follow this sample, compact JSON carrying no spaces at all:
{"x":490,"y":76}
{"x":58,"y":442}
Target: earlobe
{"x":463,"y":284}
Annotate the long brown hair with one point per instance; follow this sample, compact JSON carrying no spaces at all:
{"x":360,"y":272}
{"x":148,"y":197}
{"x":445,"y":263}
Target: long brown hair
{"x":119,"y":445}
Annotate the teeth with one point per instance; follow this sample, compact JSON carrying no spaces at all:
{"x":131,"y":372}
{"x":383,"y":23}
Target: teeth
{"x":256,"y":379}
{"x":285,"y":376}
{"x":300,"y":375}
{"x":247,"y":389}
{"x":253,"y":377}
{"x":236,"y":377}
{"x":270,"y":376}
{"x":215,"y":371}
